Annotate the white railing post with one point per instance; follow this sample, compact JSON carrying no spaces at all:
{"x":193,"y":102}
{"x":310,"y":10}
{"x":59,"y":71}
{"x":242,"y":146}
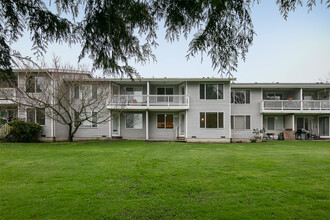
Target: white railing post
{"x":168,"y":100}
{"x":148,"y":93}
{"x":282,"y":105}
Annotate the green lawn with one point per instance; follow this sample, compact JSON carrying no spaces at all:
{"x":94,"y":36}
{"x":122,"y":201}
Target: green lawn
{"x":135,"y":179}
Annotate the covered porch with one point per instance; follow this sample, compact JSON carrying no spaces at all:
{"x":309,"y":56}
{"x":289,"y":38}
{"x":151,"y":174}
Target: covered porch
{"x":153,"y":125}
{"x":296,"y":126}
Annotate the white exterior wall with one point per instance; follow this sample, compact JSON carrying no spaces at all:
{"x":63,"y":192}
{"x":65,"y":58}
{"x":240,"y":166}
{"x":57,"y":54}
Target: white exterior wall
{"x":198,"y":105}
{"x":253,"y":110}
{"x":130,"y":133}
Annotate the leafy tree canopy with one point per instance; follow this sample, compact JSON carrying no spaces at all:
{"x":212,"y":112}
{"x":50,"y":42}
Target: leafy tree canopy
{"x":111,"y":31}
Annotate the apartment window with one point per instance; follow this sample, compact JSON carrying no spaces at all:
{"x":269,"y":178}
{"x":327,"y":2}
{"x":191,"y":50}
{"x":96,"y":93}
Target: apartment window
{"x":211,"y":120}
{"x":91,"y":121}
{"x":85,"y":92}
{"x":211,"y":91}
{"x":135,"y":94}
{"x":165,"y":121}
{"x":134,"y":121}
{"x":240,"y":122}
{"x":274,"y":96}
{"x":240,"y":96}
{"x":8,"y":114}
{"x":274,"y":123}
{"x":76,"y":92}
{"x":165,"y":91}
{"x":304,"y":123}
{"x":36,"y":115}
{"x":35,"y":84}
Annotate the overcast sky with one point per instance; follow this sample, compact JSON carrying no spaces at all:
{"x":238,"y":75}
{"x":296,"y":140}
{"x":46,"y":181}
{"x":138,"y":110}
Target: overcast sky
{"x":296,"y":50}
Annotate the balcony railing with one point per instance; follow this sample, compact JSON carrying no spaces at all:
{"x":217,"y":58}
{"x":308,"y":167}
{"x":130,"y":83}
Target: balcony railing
{"x":292,"y":105}
{"x":7,"y":92}
{"x":132,"y":101}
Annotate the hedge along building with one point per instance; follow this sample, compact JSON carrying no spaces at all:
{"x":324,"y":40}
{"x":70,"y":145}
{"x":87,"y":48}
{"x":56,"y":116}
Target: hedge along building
{"x":191,"y":109}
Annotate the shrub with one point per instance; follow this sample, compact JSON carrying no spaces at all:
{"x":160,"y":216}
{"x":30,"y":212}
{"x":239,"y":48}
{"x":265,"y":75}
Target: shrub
{"x":23,"y":132}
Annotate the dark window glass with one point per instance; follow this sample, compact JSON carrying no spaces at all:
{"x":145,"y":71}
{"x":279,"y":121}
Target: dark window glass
{"x":211,"y":120}
{"x":183,"y":90}
{"x":300,"y":123}
{"x":307,"y":123}
{"x":239,"y":97}
{"x":31,"y":115}
{"x":40,"y":82}
{"x":94,"y":119}
{"x":247,"y":92}
{"x":202,"y":120}
{"x":220,"y":118}
{"x":76,"y":117}
{"x":211,"y":91}
{"x":270,"y":123}
{"x":232,"y":122}
{"x":94,"y":92}
{"x":129,"y":91}
{"x":169,"y":121}
{"x":40,"y":116}
{"x":76,"y":92}
{"x":31,"y":84}
{"x":247,"y":121}
{"x":202,"y":91}
{"x":161,"y":121}
{"x":220,"y":91}
{"x":169,"y":91}
{"x":160,"y":91}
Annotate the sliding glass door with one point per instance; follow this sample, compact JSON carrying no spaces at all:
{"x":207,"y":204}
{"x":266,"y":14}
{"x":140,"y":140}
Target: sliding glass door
{"x":324,"y":126}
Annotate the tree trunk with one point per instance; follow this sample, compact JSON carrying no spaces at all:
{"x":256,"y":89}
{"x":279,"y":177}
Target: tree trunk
{"x":70,"y":138}
{"x":70,"y":133}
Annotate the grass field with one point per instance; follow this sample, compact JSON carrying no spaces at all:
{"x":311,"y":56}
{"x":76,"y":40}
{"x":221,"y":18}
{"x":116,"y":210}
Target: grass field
{"x":135,"y":179}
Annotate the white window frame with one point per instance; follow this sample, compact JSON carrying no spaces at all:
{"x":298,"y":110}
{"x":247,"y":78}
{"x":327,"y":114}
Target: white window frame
{"x":88,"y":124}
{"x":233,"y":124}
{"x":35,"y":116}
{"x":170,"y":99}
{"x":275,"y":128}
{"x":35,"y":79}
{"x":133,"y":117}
{"x":240,"y":90}
{"x":223,"y":118}
{"x":165,"y":114}
{"x":88,"y":87}
{"x":223,"y":91}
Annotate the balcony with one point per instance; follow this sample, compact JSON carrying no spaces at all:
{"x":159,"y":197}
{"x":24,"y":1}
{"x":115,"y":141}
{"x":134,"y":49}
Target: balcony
{"x":7,"y":92}
{"x":295,"y":106}
{"x":149,"y":102}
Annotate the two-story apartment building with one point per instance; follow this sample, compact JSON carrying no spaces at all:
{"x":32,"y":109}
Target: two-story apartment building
{"x":196,"y":109}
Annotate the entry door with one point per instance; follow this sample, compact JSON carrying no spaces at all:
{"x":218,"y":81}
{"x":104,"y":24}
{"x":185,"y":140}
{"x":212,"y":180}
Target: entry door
{"x":324,"y":126}
{"x":116,"y":126}
{"x":182,"y":124}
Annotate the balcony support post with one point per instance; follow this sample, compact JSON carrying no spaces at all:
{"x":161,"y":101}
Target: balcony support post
{"x":148,"y":93}
{"x":301,"y":99}
{"x":293,"y":122}
{"x":147,"y":125}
